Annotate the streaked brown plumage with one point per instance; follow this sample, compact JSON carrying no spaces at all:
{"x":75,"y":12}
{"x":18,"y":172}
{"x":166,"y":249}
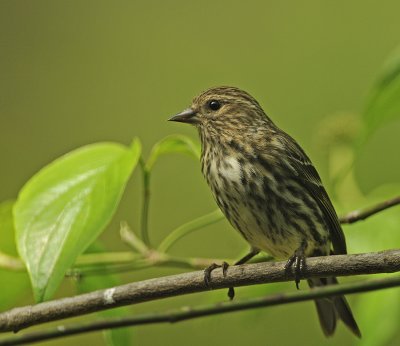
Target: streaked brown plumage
{"x":267,"y":187}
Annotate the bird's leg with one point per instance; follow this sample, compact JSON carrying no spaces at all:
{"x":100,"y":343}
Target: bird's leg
{"x":249,"y":256}
{"x":298,"y":261}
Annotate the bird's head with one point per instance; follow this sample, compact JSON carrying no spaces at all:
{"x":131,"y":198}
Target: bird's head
{"x":223,"y":108}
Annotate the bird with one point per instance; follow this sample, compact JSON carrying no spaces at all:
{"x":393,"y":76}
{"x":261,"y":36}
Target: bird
{"x":268,"y":189}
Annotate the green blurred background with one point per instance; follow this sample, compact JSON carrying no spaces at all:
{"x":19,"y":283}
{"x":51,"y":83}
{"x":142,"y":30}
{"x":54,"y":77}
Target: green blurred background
{"x":77,"y":72}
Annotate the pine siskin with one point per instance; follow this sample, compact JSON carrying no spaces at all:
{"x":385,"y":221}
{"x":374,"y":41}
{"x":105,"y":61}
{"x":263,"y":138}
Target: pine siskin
{"x":267,"y":188}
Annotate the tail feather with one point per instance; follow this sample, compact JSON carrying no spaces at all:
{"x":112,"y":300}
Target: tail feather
{"x":334,"y":308}
{"x":344,"y":311}
{"x":327,"y":316}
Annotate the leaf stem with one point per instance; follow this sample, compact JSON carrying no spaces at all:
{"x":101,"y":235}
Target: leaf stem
{"x":101,"y":258}
{"x":10,"y":262}
{"x":129,"y":237}
{"x":189,"y":227}
{"x":153,"y":259}
{"x":145,"y":203}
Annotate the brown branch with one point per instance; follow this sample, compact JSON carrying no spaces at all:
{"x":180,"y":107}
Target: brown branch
{"x":187,"y":313}
{"x":358,"y":215}
{"x":170,"y":286}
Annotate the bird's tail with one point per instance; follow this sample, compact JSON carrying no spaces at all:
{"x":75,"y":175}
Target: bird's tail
{"x":333,"y":308}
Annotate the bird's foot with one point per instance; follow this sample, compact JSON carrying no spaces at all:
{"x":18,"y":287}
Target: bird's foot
{"x":298,"y":262}
{"x":208,"y":271}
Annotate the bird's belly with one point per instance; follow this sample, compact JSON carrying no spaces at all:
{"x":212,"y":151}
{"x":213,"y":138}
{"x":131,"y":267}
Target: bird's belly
{"x":264,"y":216}
{"x":265,"y":232}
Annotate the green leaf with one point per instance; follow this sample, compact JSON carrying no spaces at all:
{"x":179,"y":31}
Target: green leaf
{"x":66,"y":205}
{"x":14,"y":280}
{"x":173,"y":144}
{"x":383,"y":104}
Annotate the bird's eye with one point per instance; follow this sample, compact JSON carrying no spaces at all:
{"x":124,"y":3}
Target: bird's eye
{"x":214,"y":105}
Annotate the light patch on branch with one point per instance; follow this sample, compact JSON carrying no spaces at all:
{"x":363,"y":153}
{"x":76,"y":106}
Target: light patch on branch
{"x":109,"y":296}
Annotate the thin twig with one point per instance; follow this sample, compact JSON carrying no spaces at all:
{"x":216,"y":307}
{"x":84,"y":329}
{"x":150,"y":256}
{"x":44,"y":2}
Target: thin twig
{"x":187,"y":313}
{"x":176,"y":285}
{"x":358,"y":215}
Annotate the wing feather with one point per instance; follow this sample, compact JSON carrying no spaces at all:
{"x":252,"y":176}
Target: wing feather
{"x":305,"y":172}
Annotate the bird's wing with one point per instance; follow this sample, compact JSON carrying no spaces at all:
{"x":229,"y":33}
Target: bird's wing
{"x":307,"y":175}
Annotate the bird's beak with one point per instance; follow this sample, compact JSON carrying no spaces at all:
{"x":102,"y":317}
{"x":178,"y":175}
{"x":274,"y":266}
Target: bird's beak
{"x":186,"y":116}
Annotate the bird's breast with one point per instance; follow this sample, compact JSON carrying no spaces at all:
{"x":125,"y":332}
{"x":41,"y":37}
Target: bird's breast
{"x":261,"y":206}
{"x":226,"y":170}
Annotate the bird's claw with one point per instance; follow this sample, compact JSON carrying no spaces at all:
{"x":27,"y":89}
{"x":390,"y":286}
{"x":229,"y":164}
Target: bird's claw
{"x":298,"y":261}
{"x":208,"y":271}
{"x":225,"y":267}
